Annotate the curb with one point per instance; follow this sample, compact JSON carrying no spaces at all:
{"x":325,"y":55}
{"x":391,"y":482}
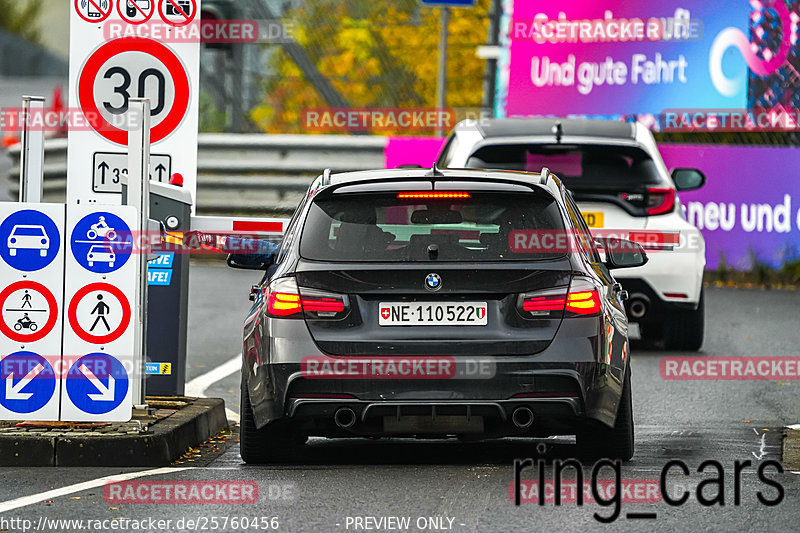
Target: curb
{"x":791,"y":448}
{"x":167,"y":441}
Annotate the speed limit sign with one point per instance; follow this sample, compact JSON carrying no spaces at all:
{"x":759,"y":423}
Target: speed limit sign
{"x":134,"y":68}
{"x":114,"y":62}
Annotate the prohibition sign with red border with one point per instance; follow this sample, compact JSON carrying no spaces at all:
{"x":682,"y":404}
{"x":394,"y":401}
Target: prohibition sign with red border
{"x":138,"y":9}
{"x":187,"y":19}
{"x":166,"y":56}
{"x":72,"y":313}
{"x":51,"y":303}
{"x":96,"y":5}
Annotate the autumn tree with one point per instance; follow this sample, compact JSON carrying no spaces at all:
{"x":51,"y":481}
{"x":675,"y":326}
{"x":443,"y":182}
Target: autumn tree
{"x":20,"y":17}
{"x":376,"y":54}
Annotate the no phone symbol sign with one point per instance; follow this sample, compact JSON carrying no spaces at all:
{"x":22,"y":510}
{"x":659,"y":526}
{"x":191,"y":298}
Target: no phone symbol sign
{"x":151,"y":70}
{"x":99,"y":313}
{"x":29,"y":311}
{"x":94,"y":10}
{"x":136,"y":11}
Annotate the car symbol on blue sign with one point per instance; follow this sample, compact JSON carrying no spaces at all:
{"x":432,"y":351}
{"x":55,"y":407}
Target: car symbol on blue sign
{"x":97,"y":383}
{"x":28,"y":382}
{"x":29,"y":240}
{"x":101,"y":242}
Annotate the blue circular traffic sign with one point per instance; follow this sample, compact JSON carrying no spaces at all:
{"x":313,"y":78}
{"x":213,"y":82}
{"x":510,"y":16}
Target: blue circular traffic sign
{"x":29,"y":240}
{"x":28,"y":382}
{"x":97,"y":383}
{"x":101,"y":242}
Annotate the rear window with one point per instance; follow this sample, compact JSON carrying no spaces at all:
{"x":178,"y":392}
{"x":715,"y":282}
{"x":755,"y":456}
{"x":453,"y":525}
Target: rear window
{"x":581,"y":167}
{"x":383,"y":227}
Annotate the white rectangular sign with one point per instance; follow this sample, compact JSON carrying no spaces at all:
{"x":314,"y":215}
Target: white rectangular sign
{"x":121,"y":50}
{"x":31,"y":292}
{"x":110,"y":168}
{"x":99,"y":288}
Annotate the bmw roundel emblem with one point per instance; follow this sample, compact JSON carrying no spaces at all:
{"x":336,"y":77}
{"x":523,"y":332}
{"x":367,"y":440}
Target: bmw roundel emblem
{"x":433,"y":282}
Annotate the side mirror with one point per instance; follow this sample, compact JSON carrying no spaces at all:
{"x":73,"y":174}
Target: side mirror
{"x":688,"y":179}
{"x":250,"y":261}
{"x":622,"y":253}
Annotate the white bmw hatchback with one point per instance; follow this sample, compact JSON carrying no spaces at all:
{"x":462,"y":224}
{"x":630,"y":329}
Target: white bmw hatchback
{"x":623,"y":188}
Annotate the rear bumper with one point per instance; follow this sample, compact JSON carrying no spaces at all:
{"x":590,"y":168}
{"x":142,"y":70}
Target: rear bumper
{"x":564,"y":386}
{"x":671,"y":276}
{"x":658,"y":309}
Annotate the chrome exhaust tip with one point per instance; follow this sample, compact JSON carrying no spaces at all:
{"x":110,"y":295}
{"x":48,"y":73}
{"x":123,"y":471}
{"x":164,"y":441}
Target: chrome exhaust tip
{"x":344,"y":417}
{"x":522,"y":417}
{"x":638,"y":306}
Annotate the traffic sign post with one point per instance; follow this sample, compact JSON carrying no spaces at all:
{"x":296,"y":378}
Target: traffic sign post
{"x":31,"y":288}
{"x":100,"y":278}
{"x":31,"y":154}
{"x":107,"y":73}
{"x":139,"y":199}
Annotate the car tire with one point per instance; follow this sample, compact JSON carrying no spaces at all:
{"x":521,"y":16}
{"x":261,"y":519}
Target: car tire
{"x":601,"y":442}
{"x":275,"y":443}
{"x":685,"y":329}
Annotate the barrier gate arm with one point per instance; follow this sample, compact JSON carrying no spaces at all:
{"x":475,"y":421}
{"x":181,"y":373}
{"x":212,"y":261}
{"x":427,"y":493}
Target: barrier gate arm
{"x":258,"y":228}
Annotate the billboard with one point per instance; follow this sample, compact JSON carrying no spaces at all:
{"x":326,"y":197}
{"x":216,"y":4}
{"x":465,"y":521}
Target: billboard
{"x":589,"y":58}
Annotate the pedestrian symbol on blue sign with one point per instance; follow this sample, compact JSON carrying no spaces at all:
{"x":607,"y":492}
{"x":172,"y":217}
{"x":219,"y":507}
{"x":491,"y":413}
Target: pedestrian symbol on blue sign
{"x":97,"y":383}
{"x":29,"y":240}
{"x":28,"y":382}
{"x":101,"y":242}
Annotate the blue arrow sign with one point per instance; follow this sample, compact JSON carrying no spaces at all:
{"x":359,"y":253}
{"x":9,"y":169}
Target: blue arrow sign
{"x":29,"y":240}
{"x":101,"y":242}
{"x":28,"y":382}
{"x":97,"y":383}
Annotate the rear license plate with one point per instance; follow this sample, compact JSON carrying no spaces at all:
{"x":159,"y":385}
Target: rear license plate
{"x":428,"y":424}
{"x":594,"y":219}
{"x":432,"y":314}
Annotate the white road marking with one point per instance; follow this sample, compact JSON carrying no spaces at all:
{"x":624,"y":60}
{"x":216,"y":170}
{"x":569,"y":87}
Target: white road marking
{"x":24,"y":501}
{"x":762,"y":449}
{"x":198,"y":386}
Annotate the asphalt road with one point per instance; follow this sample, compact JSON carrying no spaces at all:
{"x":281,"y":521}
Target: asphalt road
{"x":692,"y":421}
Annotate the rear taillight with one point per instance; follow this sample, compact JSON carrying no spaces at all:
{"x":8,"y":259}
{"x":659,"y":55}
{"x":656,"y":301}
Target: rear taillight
{"x":547,"y":303}
{"x":319,"y":305}
{"x":284,"y":300}
{"x":583,"y":302}
{"x":660,"y":201}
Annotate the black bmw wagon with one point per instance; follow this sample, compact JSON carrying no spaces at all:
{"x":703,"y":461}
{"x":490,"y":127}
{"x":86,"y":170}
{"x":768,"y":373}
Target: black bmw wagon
{"x":437,"y":304}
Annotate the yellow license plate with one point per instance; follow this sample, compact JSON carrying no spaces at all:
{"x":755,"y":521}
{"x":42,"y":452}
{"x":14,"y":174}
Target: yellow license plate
{"x":593,"y":219}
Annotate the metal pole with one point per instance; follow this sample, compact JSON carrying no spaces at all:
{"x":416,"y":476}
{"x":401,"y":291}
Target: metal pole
{"x":139,"y":197}
{"x":441,"y":89}
{"x":31,"y":156}
{"x":490,"y":85}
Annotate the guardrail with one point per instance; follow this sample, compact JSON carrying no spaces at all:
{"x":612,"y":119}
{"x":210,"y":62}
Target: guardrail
{"x":242,"y":174}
